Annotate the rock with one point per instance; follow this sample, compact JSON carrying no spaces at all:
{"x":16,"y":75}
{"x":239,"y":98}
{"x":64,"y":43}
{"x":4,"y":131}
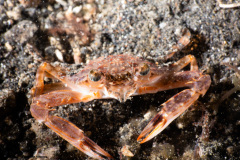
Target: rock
{"x":20,"y":33}
{"x":7,"y":101}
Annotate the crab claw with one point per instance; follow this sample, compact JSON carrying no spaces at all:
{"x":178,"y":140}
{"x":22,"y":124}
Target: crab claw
{"x":76,"y":137}
{"x":92,"y":149}
{"x":156,"y":125}
{"x":174,"y":107}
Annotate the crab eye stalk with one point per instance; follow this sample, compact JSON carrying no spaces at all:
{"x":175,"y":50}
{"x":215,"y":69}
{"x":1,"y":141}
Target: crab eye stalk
{"x":144,"y":69}
{"x":94,"y":75}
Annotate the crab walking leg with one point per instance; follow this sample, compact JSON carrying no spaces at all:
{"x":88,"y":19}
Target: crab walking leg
{"x":171,"y":81}
{"x":54,"y":87}
{"x":183,"y":62}
{"x":182,"y":42}
{"x":46,"y":69}
{"x":175,"y":79}
{"x":174,"y":107}
{"x":42,"y":105}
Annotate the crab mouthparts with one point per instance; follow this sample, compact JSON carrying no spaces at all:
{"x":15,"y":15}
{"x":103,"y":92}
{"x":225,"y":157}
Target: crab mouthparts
{"x":123,"y":97}
{"x":123,"y":94}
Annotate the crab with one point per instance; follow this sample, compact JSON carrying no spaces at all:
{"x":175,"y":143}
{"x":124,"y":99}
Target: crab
{"x":118,"y":77}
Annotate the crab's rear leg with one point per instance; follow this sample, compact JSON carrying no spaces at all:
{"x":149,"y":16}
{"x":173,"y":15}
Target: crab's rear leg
{"x":175,"y":106}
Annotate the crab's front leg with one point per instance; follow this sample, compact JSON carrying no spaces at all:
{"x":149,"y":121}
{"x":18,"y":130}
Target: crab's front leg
{"x":42,"y":105}
{"x":176,"y":105}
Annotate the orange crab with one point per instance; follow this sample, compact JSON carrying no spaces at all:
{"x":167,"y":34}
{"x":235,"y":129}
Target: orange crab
{"x":118,"y":77}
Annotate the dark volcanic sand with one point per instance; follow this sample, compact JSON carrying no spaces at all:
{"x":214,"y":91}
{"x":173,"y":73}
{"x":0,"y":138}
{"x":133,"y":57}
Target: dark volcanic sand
{"x":32,"y":34}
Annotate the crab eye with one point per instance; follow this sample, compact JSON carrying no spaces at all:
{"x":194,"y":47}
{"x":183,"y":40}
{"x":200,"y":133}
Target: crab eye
{"x":94,"y":75}
{"x":144,"y":69}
